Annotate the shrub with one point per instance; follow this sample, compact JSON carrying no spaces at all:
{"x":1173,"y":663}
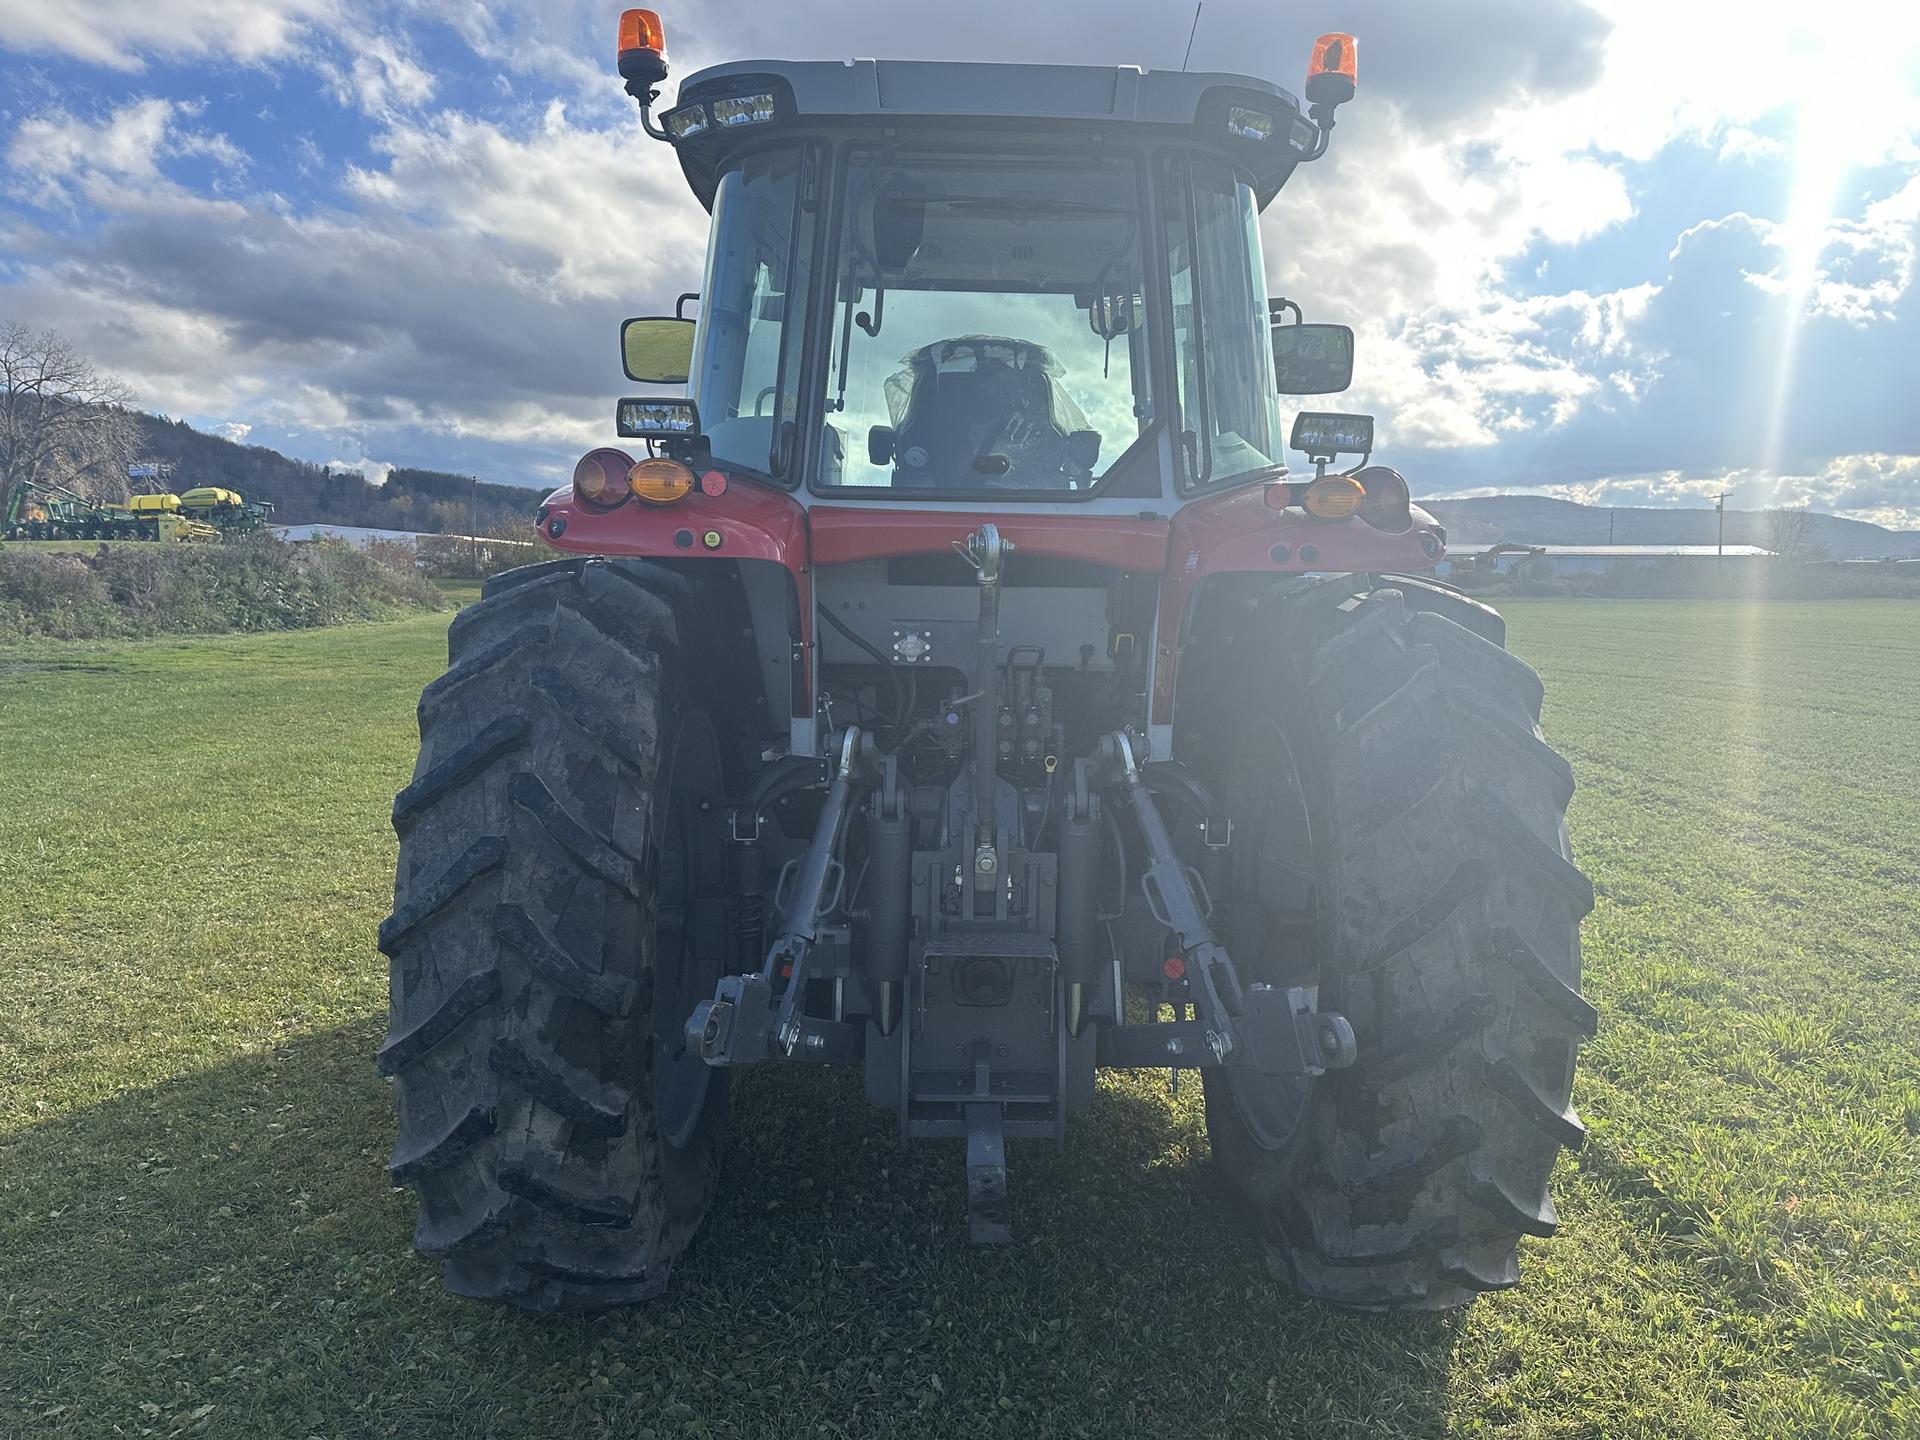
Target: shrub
{"x":256,"y":583}
{"x":460,"y":557}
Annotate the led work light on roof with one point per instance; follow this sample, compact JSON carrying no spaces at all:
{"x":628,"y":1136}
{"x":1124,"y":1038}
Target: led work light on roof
{"x":743,"y":110}
{"x":1249,"y":124}
{"x":686,"y":122}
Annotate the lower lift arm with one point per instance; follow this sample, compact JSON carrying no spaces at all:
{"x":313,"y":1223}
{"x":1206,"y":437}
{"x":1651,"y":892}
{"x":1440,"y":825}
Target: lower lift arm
{"x":746,"y":1021}
{"x":1277,"y":1032}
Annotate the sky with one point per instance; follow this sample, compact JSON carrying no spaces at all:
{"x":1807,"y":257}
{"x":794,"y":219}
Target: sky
{"x":1621,"y":252}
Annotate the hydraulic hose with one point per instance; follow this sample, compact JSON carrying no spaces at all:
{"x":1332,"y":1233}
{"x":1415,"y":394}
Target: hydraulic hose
{"x":902,"y":708}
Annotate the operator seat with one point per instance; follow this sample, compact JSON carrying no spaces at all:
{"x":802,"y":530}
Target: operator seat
{"x":984,"y":412}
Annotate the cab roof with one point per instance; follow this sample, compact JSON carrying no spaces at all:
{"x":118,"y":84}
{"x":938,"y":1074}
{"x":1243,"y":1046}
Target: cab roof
{"x":872,"y":92}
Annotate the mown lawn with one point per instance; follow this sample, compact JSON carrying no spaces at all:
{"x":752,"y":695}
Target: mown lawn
{"x":196,"y":1235}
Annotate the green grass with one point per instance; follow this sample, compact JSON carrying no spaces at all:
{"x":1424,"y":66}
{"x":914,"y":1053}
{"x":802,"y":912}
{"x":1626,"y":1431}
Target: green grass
{"x":196,"y":1236}
{"x":459,"y":591}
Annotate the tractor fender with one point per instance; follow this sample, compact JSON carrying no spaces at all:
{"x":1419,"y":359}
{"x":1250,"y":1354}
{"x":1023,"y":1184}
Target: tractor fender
{"x":1238,"y":532}
{"x":743,"y":522}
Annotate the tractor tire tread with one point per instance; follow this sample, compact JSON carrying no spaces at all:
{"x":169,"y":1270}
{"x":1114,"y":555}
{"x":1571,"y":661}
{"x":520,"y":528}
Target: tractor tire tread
{"x":1453,"y":914}
{"x":521,"y":964}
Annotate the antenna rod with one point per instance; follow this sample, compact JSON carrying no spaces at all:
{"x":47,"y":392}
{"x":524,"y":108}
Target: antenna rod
{"x":1190,"y":34}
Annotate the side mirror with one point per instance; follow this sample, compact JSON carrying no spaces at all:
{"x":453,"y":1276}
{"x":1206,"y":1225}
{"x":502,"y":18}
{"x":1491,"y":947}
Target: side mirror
{"x":1312,"y":359}
{"x":880,"y":445}
{"x":657,"y":349}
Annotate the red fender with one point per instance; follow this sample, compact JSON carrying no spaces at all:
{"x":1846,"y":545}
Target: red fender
{"x":1239,"y":532}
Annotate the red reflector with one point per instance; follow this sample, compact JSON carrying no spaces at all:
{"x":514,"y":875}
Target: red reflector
{"x":1279,"y":497}
{"x":1174,"y":967}
{"x":714,"y":482}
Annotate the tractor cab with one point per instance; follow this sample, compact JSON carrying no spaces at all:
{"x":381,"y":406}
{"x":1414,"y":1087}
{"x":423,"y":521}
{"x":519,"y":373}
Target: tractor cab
{"x":1039,"y":285}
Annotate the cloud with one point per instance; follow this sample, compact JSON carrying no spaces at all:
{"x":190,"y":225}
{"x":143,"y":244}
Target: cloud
{"x":62,"y":159}
{"x":1747,"y":379}
{"x":380,"y":75}
{"x":122,"y":35}
{"x":467,"y":284}
{"x":375,"y":471}
{"x":234,"y":430}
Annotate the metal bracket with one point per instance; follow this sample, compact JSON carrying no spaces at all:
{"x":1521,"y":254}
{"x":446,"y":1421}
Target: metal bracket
{"x":736,"y":1027}
{"x":1279,"y":1033}
{"x":746,"y":1018}
{"x":989,"y":1211}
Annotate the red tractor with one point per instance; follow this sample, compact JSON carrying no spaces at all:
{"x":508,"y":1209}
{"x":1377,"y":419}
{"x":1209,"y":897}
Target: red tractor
{"x":961,"y":687}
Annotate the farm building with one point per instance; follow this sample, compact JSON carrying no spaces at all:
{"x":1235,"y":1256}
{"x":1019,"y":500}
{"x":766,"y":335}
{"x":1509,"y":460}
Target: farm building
{"x":431,"y":547}
{"x":1586,"y":559}
{"x":352,"y":534}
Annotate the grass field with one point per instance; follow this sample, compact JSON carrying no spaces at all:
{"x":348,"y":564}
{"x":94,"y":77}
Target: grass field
{"x":196,"y":1235}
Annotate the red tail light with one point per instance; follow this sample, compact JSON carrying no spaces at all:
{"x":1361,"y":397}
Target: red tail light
{"x":1388,"y":505}
{"x":600,"y":479}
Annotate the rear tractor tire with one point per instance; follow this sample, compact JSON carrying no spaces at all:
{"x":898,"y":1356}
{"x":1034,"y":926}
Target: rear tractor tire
{"x":562,"y":1143}
{"x":1406,"y":850}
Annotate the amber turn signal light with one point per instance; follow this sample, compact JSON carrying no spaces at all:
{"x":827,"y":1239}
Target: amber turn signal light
{"x":1334,"y":497}
{"x":660,"y":482}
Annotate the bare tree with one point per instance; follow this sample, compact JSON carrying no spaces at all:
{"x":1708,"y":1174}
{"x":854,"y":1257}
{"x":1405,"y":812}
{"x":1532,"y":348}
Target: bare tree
{"x":61,"y":421}
{"x":1793,"y":537}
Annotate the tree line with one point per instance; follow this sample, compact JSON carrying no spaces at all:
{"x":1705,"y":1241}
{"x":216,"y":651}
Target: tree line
{"x":304,"y":494}
{"x":65,"y":425}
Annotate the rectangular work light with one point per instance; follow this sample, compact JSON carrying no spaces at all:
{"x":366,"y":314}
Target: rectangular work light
{"x":686,"y":122}
{"x":646,"y":418}
{"x":1321,"y":432}
{"x":743,"y":110}
{"x":1249,"y":124}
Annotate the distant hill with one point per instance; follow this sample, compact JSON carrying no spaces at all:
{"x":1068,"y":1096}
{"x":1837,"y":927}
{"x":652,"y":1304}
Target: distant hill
{"x":1542,"y":520}
{"x":304,"y":494}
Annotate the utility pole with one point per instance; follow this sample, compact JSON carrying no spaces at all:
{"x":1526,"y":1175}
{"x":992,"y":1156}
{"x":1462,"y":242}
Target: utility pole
{"x":473,"y":526}
{"x":1611,"y":514}
{"x":1720,"y":509}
